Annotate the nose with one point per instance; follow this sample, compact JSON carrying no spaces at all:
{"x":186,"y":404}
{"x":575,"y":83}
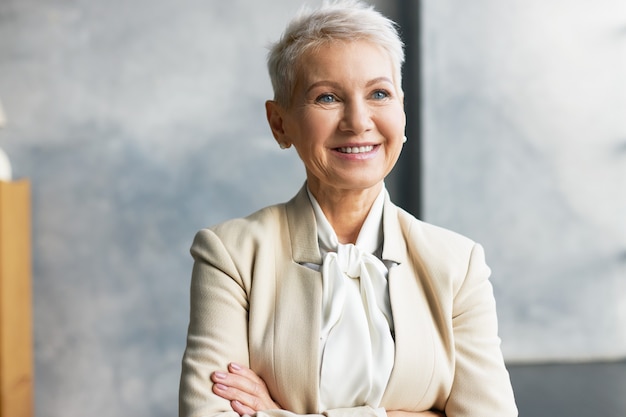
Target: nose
{"x":357,"y":117}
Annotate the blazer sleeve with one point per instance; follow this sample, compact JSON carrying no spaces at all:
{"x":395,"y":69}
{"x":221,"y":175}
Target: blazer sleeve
{"x":218,"y":331}
{"x":481,"y":384}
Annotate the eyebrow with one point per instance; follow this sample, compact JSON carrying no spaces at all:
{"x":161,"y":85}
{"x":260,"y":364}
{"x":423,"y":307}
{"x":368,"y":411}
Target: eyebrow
{"x":335,"y":85}
{"x":378,"y":80}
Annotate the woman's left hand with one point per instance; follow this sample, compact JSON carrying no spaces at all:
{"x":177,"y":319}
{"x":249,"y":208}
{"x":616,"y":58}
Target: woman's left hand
{"x":245,"y":390}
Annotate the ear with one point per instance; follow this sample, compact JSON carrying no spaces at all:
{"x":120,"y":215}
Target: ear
{"x":274,"y":113}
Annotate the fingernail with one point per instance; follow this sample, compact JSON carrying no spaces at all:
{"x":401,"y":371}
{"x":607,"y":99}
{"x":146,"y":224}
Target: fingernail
{"x":235,"y":366}
{"x":219,"y":375}
{"x":221,"y":387}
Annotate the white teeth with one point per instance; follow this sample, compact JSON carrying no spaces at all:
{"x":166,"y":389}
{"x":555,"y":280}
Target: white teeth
{"x":357,"y":149}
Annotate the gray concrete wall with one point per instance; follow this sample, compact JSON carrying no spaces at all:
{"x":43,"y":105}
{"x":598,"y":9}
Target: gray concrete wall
{"x":525,"y":151}
{"x":139,"y":122}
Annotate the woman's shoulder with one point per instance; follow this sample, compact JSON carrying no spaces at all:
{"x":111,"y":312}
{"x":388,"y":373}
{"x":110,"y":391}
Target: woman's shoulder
{"x":445,"y":255}
{"x":437,"y":247}
{"x":234,"y":244}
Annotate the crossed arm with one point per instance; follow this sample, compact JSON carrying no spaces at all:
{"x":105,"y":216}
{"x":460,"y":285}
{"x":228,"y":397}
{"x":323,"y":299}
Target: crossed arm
{"x":248,"y":393}
{"x":218,"y":336}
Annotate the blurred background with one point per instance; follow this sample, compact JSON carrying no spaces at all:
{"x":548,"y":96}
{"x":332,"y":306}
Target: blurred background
{"x":140,"y":122}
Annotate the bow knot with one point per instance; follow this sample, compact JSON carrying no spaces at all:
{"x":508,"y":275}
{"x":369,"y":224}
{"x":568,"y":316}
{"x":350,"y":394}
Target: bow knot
{"x":349,"y":258}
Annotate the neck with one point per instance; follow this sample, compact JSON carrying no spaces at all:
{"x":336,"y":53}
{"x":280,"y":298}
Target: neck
{"x":346,"y":210}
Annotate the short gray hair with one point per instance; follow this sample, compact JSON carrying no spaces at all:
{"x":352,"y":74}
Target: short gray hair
{"x":343,"y":20}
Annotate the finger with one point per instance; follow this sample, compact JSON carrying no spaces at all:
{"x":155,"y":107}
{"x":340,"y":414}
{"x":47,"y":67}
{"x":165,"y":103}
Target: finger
{"x":244,"y":401}
{"x":240,"y":382}
{"x":245,"y":372}
{"x":241,"y":409}
{"x":244,"y":386}
{"x":253,"y":383}
{"x":244,"y":379}
{"x":223,"y":391}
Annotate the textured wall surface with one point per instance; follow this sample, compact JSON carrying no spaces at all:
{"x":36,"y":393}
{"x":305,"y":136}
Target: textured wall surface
{"x":139,"y":122}
{"x":525,"y":151}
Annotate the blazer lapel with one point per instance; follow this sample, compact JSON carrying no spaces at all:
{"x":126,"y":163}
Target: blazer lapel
{"x":414,"y":360}
{"x":298,"y":310}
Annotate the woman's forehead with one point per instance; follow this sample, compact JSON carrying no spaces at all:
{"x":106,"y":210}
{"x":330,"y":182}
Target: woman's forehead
{"x":340,"y":59}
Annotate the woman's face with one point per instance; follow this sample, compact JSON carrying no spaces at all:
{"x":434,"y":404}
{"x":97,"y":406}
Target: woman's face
{"x":346,"y":119}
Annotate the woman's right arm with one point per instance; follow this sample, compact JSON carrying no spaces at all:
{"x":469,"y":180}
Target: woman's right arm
{"x":248,"y":394}
{"x":218,"y":323}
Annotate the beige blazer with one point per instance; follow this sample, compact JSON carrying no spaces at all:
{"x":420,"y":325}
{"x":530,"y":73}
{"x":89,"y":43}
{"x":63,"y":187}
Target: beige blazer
{"x":253,"y":302}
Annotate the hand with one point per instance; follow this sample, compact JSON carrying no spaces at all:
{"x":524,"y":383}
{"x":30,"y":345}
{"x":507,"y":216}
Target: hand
{"x":245,"y":390}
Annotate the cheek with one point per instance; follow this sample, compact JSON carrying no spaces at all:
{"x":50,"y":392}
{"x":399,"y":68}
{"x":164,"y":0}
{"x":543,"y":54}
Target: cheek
{"x":400,"y":119}
{"x":393,"y":124}
{"x":320,"y":121}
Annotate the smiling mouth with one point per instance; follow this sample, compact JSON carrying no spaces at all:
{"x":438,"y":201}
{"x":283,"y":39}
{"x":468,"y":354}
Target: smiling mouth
{"x":356,"y":149}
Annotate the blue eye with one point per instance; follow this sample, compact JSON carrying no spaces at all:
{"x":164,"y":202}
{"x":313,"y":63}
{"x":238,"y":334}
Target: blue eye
{"x":380,"y":94}
{"x":325,"y":99}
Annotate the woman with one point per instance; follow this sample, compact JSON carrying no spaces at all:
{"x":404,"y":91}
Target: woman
{"x":338,"y":302}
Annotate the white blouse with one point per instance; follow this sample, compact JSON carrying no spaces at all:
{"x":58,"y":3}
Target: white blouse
{"x":356,"y":335}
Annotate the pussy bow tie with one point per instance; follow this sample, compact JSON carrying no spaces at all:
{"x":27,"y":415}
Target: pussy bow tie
{"x":359,"y":348}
